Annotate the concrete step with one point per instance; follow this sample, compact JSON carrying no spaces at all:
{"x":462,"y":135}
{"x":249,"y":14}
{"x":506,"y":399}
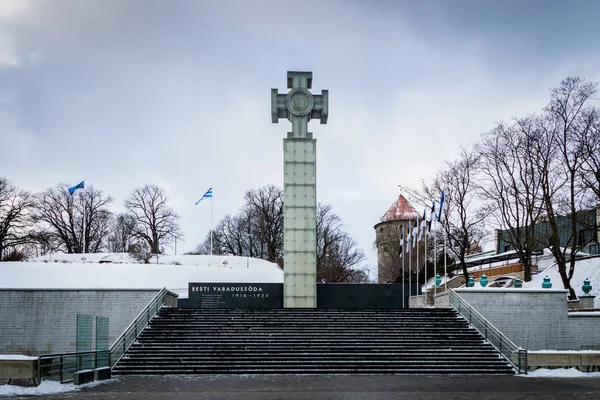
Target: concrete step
{"x":310,"y":341}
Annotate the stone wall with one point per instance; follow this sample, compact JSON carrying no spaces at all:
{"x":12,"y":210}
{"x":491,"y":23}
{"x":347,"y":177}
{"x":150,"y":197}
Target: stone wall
{"x":535,"y":319}
{"x":43,"y":321}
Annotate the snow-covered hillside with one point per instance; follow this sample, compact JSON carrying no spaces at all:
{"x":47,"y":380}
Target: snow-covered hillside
{"x":584,"y":269}
{"x":120,"y":271}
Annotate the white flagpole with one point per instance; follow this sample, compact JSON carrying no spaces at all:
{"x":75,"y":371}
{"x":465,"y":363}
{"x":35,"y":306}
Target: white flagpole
{"x":418,"y":284}
{"x":426,"y":264}
{"x":83,"y":230}
{"x":435,"y":257}
{"x":409,"y":267}
{"x":445,"y":257}
{"x":211,"y":219}
{"x":403,"y":251}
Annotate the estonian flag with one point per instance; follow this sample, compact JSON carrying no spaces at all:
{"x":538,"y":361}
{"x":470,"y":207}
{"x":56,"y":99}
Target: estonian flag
{"x":441,"y":207}
{"x":401,"y":240}
{"x":431,"y":216}
{"x":408,"y":239}
{"x":423,"y":225}
{"x":415,"y":231}
{"x":207,"y":195}
{"x":74,"y":188}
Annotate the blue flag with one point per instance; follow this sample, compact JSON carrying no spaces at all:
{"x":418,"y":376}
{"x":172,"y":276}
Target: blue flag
{"x":207,"y":195}
{"x":80,"y":185}
{"x":439,"y":218}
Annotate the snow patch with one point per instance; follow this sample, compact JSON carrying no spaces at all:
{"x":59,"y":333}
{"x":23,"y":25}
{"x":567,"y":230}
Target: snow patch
{"x":560,"y":373}
{"x":46,"y":387}
{"x":11,"y":357}
{"x":584,"y":269}
{"x":563,"y":351}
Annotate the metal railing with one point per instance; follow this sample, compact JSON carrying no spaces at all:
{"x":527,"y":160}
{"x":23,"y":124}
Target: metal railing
{"x":62,"y":366}
{"x":123,"y":342}
{"x":514,"y":354}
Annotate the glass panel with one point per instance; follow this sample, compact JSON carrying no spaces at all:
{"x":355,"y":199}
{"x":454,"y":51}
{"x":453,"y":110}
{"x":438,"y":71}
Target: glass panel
{"x":83,"y":342}
{"x":102,"y":333}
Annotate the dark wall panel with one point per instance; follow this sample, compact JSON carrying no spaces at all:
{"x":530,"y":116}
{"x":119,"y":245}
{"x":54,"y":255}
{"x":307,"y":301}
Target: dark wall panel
{"x":270,"y":295}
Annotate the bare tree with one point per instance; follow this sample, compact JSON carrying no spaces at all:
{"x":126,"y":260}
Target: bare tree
{"x":590,"y":149}
{"x":231,"y":237}
{"x":337,"y":252}
{"x":156,"y":222}
{"x":15,"y":207}
{"x":568,"y":119}
{"x":257,"y":231}
{"x":62,"y":215}
{"x":121,"y":233}
{"x":463,"y":217}
{"x":510,"y":184}
{"x":264,"y":211}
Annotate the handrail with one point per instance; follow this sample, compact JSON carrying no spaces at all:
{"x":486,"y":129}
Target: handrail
{"x":63,"y":365}
{"x":129,"y":336}
{"x":514,"y":354}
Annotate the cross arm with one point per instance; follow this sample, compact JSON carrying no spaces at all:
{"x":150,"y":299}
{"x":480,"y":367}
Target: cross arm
{"x":278,"y":108}
{"x":321,"y":107}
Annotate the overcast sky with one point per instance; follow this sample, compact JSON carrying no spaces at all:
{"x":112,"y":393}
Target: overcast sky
{"x":177,"y":93}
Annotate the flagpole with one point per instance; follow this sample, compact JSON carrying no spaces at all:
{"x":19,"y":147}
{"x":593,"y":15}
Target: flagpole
{"x":83,"y":230}
{"x":418,"y":284}
{"x":211,"y":222}
{"x":403,"y":285}
{"x":409,"y":267}
{"x":445,"y":257}
{"x":435,"y":258}
{"x":426,"y":267}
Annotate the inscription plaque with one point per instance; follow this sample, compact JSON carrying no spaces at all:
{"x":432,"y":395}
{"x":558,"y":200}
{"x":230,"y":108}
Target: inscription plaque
{"x":235,"y":295}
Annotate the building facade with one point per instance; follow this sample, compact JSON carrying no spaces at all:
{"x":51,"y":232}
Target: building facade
{"x":586,"y":237}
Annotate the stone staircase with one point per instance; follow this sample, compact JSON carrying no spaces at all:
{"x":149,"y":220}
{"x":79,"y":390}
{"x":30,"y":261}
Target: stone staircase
{"x":307,"y":341}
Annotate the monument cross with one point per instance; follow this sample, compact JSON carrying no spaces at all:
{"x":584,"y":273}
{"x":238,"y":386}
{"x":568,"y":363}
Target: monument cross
{"x":299,"y":106}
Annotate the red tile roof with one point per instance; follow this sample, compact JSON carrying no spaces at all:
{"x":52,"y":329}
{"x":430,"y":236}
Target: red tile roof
{"x":400,"y":210}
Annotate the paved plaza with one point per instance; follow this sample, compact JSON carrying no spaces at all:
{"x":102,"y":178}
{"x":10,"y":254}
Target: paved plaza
{"x":347,"y":387}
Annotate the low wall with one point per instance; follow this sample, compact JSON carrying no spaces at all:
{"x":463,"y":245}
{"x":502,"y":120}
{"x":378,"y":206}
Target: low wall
{"x":43,"y":321}
{"x":587,"y":361}
{"x":364,"y":295}
{"x":535,"y":319}
{"x":20,"y":368}
{"x":417,"y":301}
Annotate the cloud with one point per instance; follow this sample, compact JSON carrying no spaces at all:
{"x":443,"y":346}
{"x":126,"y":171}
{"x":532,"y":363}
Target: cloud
{"x":178,"y":94}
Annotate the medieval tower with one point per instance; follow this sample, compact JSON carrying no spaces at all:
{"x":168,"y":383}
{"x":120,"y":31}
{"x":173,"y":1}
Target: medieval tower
{"x":387,"y":241}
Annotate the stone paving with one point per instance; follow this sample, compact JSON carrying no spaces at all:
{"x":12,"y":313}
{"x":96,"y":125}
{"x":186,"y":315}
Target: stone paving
{"x":347,"y":387}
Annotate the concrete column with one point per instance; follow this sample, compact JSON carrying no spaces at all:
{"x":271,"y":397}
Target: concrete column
{"x":300,"y":222}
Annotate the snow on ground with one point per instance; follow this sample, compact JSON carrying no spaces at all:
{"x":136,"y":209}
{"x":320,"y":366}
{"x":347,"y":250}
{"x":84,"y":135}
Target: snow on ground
{"x":10,"y":357}
{"x":68,"y":271}
{"x":584,"y":269}
{"x":563,"y":351}
{"x":560,"y":373}
{"x":44,"y":388}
